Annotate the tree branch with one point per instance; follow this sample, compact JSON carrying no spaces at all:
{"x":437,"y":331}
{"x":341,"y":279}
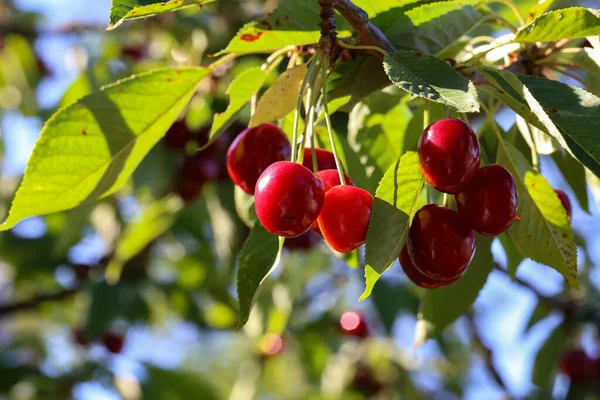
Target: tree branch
{"x":488,"y":356}
{"x":369,"y":34}
{"x":8,"y":309}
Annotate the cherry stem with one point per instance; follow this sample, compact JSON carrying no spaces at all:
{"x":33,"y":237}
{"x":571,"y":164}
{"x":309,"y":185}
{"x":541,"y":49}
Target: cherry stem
{"x":355,"y":47}
{"x":445,"y":200}
{"x":426,"y":117}
{"x":338,"y":164}
{"x":303,"y":88}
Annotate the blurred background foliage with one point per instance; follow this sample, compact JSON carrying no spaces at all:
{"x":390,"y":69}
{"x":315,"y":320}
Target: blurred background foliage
{"x":166,"y":330}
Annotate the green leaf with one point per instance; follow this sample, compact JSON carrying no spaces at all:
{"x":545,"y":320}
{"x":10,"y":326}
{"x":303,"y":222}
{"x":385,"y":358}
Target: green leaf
{"x":513,"y":256}
{"x":438,"y":311}
{"x":258,"y":257}
{"x":152,"y":222}
{"x":431,"y":78}
{"x":244,"y":205}
{"x":574,"y":174}
{"x":240,"y":91}
{"x":539,"y":313}
{"x":90,"y":148}
{"x":123,"y":10}
{"x":163,"y":384}
{"x":543,"y":233}
{"x":390,"y":299}
{"x":548,"y":356}
{"x":586,"y":58}
{"x":395,"y":205}
{"x":435,"y":27}
{"x":568,"y":23}
{"x":571,"y":115}
{"x":281,"y":97}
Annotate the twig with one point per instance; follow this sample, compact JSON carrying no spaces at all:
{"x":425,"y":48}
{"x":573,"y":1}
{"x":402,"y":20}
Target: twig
{"x":488,"y":356}
{"x":369,"y":34}
{"x":8,"y":309}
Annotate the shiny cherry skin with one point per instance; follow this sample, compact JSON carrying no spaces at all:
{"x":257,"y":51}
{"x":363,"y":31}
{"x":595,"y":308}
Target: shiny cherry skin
{"x":288,"y":198}
{"x":440,"y":244}
{"x":416,"y":276}
{"x":304,"y":242}
{"x":325,"y":159}
{"x":345,"y":217}
{"x":449,"y":154}
{"x":489,"y":201}
{"x":353,"y":323}
{"x":113,"y":342}
{"x":330,"y":178}
{"x":578,"y":366}
{"x":253,"y":151}
{"x":566,"y":202}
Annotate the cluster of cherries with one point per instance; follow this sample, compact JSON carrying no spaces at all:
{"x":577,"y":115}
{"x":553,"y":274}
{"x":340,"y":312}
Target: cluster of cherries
{"x":200,"y":168}
{"x":441,"y":241}
{"x":292,"y":198}
{"x":113,"y":342}
{"x":579,"y":366}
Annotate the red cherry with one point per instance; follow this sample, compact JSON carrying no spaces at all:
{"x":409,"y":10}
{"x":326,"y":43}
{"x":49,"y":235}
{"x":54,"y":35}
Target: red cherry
{"x":449,"y":154}
{"x":354,"y":324}
{"x":489,"y":201}
{"x":578,"y":366}
{"x":113,"y":342}
{"x":271,"y":345}
{"x":325,"y":159}
{"x":80,"y":336}
{"x":134,"y":53}
{"x":177,"y":136}
{"x":200,"y":169}
{"x":566,"y":202}
{"x":253,"y":151}
{"x":345,"y":217}
{"x":304,"y":242}
{"x":189,"y":190}
{"x":330,"y":178}
{"x":288,"y":198}
{"x":416,"y":276}
{"x":367,"y":384}
{"x":440,"y":245}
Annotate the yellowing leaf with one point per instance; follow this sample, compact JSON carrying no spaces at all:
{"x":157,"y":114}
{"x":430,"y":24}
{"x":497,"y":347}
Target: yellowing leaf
{"x":281,"y":97}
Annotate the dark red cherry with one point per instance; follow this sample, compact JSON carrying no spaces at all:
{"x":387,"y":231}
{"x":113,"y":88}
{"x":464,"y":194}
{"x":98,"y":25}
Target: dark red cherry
{"x":133,"y":53}
{"x":253,"y":151}
{"x":440,"y":244}
{"x":345,"y":217}
{"x":578,"y":366}
{"x":330,"y":178}
{"x":80,"y":336}
{"x":200,"y":168}
{"x":113,"y":342}
{"x":353,"y":323}
{"x":189,"y":190}
{"x":489,"y":201}
{"x":325,"y":159}
{"x":566,"y":202}
{"x":304,"y":242}
{"x":288,"y":198}
{"x":366,"y":383}
{"x":449,"y":154}
{"x":177,"y":136}
{"x":416,"y":276}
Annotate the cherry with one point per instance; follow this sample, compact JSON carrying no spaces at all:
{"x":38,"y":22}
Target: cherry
{"x":566,"y":202}
{"x":354,"y":324}
{"x":113,"y":342}
{"x":330,"y":178}
{"x":449,"y":154}
{"x":304,"y":242}
{"x":440,"y":245}
{"x":416,"y":276}
{"x":345,"y":217}
{"x":325,"y":159}
{"x":177,"y":136}
{"x":253,"y":151}
{"x":288,"y":198}
{"x":365,"y":383}
{"x":489,"y":201}
{"x":200,"y":169}
{"x":80,"y":336}
{"x":189,"y":190}
{"x":134,"y":53}
{"x":271,"y":345}
{"x":577,"y":365}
